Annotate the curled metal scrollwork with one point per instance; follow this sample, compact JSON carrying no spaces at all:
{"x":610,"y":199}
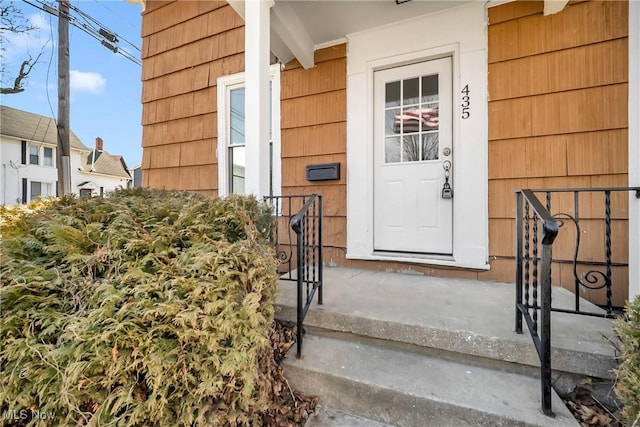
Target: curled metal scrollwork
{"x":591,"y":279}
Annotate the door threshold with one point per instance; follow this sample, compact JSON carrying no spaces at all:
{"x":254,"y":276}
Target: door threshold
{"x":418,"y":255}
{"x":427,"y":259}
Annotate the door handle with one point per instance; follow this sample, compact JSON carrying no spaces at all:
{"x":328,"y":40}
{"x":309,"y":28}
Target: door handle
{"x":447,"y":191}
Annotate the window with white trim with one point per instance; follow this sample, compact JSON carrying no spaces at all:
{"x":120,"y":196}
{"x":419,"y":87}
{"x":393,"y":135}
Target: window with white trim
{"x":232,"y":151}
{"x":47,"y":156}
{"x":34,"y":155}
{"x":40,"y":189}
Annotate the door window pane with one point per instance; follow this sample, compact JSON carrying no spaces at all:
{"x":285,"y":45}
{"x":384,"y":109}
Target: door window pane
{"x":430,"y":118}
{"x":411,"y":120}
{"x":392,"y":150}
{"x":430,"y":88}
{"x":430,"y":146}
{"x":392,"y":122}
{"x":411,"y":148}
{"x":392,"y":94}
{"x":410,"y":91}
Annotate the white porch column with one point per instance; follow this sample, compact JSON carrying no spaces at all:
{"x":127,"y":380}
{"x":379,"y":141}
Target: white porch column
{"x":257,"y":102}
{"x":634,"y":147}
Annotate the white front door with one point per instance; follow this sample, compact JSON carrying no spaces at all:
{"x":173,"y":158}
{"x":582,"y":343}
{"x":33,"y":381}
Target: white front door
{"x":412,"y":149}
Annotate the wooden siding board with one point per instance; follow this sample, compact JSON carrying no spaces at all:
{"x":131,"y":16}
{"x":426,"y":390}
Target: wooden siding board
{"x":200,"y":177}
{"x":198,"y":152}
{"x":205,"y":101}
{"x":334,"y":197}
{"x":169,"y":14}
{"x":585,"y":66}
{"x":325,"y":77}
{"x":222,"y":20}
{"x":590,"y":109}
{"x":582,"y":110}
{"x":598,"y":153}
{"x":149,"y":113}
{"x":225,"y":66}
{"x":315,"y":140}
{"x":578,"y":25}
{"x":502,"y":197}
{"x":165,"y":178}
{"x":329,"y":107}
{"x":514,"y":10}
{"x":502,"y":237}
{"x":181,"y":106}
{"x":510,"y":118}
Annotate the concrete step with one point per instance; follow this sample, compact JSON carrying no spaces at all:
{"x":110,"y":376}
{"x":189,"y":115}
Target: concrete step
{"x":468,"y":317}
{"x":331,"y":417}
{"x":405,"y":388}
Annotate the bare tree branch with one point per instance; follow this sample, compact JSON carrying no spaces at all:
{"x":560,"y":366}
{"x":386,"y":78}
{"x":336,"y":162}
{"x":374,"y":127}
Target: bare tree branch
{"x":25,"y":69}
{"x":13,"y":21}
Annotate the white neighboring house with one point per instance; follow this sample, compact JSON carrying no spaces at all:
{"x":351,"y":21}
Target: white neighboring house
{"x":99,"y":172}
{"x":28,"y":157}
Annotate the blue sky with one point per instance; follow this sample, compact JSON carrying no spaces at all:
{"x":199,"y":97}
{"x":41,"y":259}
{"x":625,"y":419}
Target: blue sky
{"x":105,"y":87}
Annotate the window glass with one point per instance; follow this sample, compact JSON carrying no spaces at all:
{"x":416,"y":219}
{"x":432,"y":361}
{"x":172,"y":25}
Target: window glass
{"x":411,"y":120}
{"x":47,"y":156}
{"x":34,"y":152}
{"x":36,"y":190}
{"x":237,"y":163}
{"x":237,"y":117}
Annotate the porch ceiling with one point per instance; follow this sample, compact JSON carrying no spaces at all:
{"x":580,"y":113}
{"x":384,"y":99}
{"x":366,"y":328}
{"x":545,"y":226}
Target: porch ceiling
{"x":299,"y":27}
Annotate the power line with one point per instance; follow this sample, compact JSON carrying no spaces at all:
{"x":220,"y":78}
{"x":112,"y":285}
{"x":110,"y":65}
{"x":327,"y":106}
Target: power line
{"x":102,"y":26}
{"x":101,"y":33}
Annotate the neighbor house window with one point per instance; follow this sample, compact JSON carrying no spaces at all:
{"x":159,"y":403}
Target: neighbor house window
{"x":47,"y":156}
{"x":40,"y":189}
{"x":34,"y":155}
{"x":233,"y":151}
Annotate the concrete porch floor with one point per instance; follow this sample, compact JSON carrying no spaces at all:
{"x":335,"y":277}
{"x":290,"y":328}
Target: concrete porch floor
{"x":463,"y":316}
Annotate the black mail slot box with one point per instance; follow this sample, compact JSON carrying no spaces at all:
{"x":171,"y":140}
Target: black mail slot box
{"x":323,"y":172}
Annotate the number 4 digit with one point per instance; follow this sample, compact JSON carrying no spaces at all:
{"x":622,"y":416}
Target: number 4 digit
{"x":465,"y":90}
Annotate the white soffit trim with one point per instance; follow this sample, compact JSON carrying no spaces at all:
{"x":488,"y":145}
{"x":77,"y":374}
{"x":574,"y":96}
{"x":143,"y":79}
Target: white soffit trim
{"x":550,"y":6}
{"x":287,"y":25}
{"x":554,"y":6}
{"x":238,"y":6}
{"x":142,"y":3}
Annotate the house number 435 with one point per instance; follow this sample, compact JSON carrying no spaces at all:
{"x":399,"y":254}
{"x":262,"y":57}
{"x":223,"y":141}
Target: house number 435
{"x":466,"y":102}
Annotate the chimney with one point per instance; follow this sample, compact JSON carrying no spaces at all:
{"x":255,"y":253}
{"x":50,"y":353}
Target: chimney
{"x":99,"y":144}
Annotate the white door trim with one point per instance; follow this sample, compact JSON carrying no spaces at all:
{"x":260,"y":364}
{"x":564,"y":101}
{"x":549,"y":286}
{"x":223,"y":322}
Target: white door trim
{"x":460,"y":32}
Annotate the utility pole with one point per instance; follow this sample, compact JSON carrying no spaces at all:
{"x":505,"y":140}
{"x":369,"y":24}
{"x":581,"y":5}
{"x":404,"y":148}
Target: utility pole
{"x":63,"y":160}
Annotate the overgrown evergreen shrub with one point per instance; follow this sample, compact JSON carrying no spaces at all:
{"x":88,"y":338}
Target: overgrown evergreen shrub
{"x":628,"y":372}
{"x":145,"y":308}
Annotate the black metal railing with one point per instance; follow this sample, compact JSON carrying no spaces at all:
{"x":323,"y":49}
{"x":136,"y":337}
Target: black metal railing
{"x":300,"y":252}
{"x":539,"y":233}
